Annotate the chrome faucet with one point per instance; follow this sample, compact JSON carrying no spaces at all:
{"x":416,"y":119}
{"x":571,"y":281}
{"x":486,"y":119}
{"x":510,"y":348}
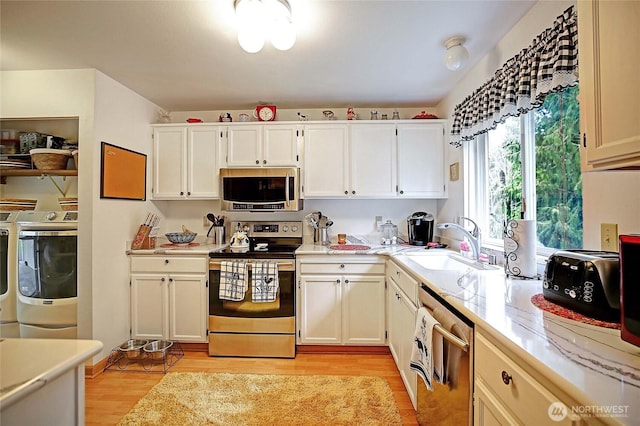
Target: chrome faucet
{"x":474,"y":236}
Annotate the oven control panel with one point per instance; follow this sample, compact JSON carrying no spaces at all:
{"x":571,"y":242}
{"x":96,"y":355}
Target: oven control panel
{"x":270,"y":229}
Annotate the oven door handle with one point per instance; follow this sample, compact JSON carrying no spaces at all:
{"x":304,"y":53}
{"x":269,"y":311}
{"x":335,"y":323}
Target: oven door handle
{"x":283,"y":265}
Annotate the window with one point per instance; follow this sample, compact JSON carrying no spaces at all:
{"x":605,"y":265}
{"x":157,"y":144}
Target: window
{"x":529,"y":167}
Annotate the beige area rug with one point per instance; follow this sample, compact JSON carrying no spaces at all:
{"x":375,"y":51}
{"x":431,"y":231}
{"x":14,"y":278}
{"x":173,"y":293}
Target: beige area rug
{"x":254,"y":399}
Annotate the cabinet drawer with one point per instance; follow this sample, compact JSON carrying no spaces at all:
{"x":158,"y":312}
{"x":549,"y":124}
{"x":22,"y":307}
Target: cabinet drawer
{"x":342,"y":268}
{"x":522,"y":394}
{"x":169,"y":264}
{"x":405,"y":281}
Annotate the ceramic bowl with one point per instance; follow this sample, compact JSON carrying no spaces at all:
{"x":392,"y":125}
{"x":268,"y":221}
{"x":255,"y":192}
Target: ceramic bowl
{"x":180,"y":237}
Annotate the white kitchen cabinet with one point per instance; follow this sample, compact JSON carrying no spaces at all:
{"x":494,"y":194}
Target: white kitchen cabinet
{"x":169,"y":298}
{"x":341,"y":300}
{"x":506,"y":394}
{"x":373,"y":162}
{"x":609,"y":84}
{"x":186,"y":162}
{"x":421,"y":160}
{"x":402,"y":306}
{"x":350,"y":160}
{"x":326,"y":160}
{"x":258,"y":145}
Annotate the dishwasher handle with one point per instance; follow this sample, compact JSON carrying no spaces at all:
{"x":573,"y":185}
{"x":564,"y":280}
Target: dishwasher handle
{"x":452,"y":338}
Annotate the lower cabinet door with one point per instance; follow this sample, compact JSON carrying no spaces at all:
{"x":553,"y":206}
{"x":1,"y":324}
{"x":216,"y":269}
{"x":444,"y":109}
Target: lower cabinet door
{"x":363,"y":310}
{"x":188,"y":300}
{"x":149,"y":307}
{"x":320,"y":312}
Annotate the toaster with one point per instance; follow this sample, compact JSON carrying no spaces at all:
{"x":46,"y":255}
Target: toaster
{"x":585,"y":281}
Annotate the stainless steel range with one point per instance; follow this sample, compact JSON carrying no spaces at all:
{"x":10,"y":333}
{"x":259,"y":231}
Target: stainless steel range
{"x":252,"y":292}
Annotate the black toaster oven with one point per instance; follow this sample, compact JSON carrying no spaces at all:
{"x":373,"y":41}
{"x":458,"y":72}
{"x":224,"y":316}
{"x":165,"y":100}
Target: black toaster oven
{"x":585,"y":281}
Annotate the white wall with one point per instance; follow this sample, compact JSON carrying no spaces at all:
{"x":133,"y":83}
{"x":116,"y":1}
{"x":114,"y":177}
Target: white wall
{"x":106,"y":111}
{"x":68,"y":93}
{"x":122,"y":118}
{"x":610,"y":197}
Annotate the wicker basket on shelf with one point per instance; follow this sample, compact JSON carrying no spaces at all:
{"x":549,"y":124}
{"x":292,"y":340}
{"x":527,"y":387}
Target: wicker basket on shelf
{"x":68,"y":203}
{"x":50,"y":159}
{"x":74,"y":153}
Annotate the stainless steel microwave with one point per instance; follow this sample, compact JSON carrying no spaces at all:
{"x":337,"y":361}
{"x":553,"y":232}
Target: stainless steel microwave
{"x":261,"y":189}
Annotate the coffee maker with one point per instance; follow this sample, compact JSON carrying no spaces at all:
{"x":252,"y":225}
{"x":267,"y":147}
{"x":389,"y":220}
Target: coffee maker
{"x":420,"y":227}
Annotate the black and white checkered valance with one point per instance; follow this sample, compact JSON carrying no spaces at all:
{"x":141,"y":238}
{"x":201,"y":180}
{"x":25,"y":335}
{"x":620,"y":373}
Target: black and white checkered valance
{"x":549,"y":65}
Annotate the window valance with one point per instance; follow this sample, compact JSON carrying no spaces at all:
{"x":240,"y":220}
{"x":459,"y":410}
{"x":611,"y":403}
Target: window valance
{"x":549,"y":65}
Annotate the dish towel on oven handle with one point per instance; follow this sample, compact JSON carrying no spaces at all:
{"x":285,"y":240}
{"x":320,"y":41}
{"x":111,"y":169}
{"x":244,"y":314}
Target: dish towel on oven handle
{"x":264,"y":282}
{"x":233,"y":280}
{"x":426,"y":354}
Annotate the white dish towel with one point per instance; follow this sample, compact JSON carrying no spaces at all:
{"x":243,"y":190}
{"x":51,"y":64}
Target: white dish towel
{"x":264,"y":282}
{"x":233,"y":281}
{"x":426,"y":354}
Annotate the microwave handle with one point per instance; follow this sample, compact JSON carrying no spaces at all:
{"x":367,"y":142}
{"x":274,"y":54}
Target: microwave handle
{"x":286,"y":190}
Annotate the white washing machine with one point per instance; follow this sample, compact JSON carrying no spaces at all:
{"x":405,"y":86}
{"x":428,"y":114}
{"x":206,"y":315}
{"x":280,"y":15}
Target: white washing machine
{"x":8,"y":279}
{"x":48,"y":274}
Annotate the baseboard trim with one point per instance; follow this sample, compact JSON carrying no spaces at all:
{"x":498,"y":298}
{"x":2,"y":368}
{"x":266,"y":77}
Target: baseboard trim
{"x":339,"y":349}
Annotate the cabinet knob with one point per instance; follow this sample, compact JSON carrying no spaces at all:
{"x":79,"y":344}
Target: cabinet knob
{"x":170,"y":280}
{"x":189,"y":193}
{"x":346,"y":192}
{"x":346,"y":281}
{"x":401,"y":192}
{"x":353,"y":192}
{"x":166,"y":261}
{"x":257,"y":161}
{"x":506,"y":378}
{"x":162,"y":279}
{"x":181,"y":192}
{"x":264,"y":161}
{"x":338,"y":281}
{"x":397,"y":296}
{"x":342,"y":266}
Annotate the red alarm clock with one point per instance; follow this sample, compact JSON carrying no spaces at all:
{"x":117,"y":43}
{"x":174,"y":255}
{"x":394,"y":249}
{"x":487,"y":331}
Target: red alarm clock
{"x":265,"y":112}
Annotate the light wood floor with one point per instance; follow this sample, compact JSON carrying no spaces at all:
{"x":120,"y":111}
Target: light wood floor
{"x":111,"y":394}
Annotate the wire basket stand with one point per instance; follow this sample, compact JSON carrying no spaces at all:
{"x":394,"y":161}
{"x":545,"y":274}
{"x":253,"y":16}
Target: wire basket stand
{"x":154,"y":361}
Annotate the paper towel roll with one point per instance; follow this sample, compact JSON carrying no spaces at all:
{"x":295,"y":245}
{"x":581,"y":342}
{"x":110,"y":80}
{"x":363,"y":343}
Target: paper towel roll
{"x":520,"y":249}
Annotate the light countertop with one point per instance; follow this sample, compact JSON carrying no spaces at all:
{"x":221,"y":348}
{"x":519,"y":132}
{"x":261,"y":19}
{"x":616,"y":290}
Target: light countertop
{"x":589,"y":363}
{"x":28,"y":364}
{"x":164,"y":247}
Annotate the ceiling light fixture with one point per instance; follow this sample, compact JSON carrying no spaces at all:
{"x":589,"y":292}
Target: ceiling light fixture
{"x":456,"y":55}
{"x":259,"y":19}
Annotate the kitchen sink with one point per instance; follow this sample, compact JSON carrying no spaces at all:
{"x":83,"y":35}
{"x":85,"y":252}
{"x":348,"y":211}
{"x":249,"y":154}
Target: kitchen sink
{"x":447,"y":261}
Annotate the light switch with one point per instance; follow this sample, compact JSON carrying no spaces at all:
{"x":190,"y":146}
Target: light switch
{"x":609,"y":236}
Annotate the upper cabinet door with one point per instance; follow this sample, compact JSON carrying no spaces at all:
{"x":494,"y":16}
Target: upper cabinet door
{"x":326,"y":161}
{"x":609,"y":36}
{"x":244,"y":146}
{"x":373,"y":160}
{"x":280,"y":145}
{"x":203,"y":165}
{"x":169,"y":155}
{"x":421,"y":168}
{"x":186,"y":162}
{"x":257,"y":145}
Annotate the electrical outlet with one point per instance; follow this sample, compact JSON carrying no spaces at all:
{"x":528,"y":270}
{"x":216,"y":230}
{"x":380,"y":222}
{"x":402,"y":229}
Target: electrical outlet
{"x":609,"y":236}
{"x":378,"y":223}
{"x":205,"y":221}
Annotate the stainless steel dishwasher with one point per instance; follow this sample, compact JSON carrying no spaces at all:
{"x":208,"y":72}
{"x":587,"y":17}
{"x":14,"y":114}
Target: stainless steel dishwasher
{"x":450,"y":402}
